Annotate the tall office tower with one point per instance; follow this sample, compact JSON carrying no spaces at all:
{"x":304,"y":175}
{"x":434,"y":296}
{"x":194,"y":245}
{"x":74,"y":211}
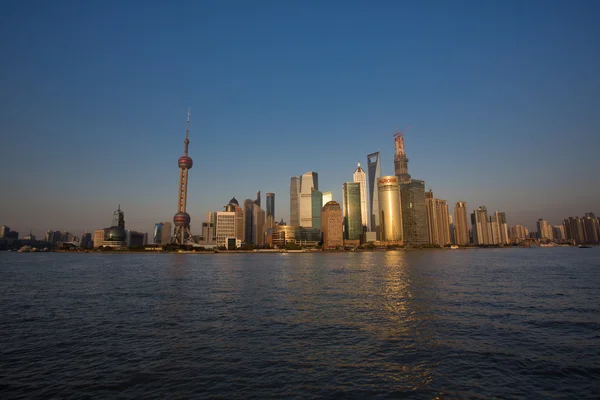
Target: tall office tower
{"x":574,"y":229}
{"x":316,"y":204}
{"x":225,"y":227}
{"x":361,"y":177}
{"x":414,"y":213}
{"x":400,"y":159}
{"x":542,"y":229}
{"x":501,"y":218}
{"x":182,"y":219}
{"x":590,"y":228}
{"x":438,"y":221}
{"x":239,"y":223}
{"x":295,"y":200}
{"x":331,"y":225}
{"x":327,"y":197}
{"x":4,"y":230}
{"x":481,"y":228}
{"x":258,"y":225}
{"x":308,"y":184}
{"x":157,"y":233}
{"x":352,"y":210}
{"x":248,"y":213}
{"x":374,"y":169}
{"x":270,"y":205}
{"x":390,"y":213}
{"x":558,"y":232}
{"x":460,"y":223}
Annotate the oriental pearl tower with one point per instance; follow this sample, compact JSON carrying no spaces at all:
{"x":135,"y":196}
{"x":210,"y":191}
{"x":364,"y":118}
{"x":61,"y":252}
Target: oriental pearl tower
{"x":181,"y":220}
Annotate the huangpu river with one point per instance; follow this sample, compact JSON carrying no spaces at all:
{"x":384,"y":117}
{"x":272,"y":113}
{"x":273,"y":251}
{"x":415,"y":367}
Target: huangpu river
{"x":480,"y":323}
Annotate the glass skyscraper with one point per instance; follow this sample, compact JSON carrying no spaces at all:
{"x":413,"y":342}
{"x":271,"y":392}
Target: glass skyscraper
{"x":374,"y":169}
{"x":414,"y":212}
{"x":352,"y":210}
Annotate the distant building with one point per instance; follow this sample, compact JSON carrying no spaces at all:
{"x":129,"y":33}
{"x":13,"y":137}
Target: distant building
{"x":503,"y":227}
{"x":361,"y":178}
{"x":225,"y":227}
{"x":4,"y":230}
{"x":258,"y":226}
{"x":311,"y":200}
{"x":327,"y":197}
{"x":331,"y":225}
{"x":558,"y":231}
{"x":374,"y":170}
{"x":438,"y":221}
{"x":352,"y":211}
{"x":414,"y":214}
{"x":390,"y":213}
{"x":461,"y":228}
{"x":295,"y":200}
{"x":98,"y":238}
{"x":590,"y":228}
{"x":87,"y":241}
{"x":542,"y":229}
{"x":162,"y":233}
{"x":482,"y":231}
{"x":574,"y":229}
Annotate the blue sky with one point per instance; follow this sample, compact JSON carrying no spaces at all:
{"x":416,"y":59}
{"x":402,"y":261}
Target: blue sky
{"x":503,"y":99}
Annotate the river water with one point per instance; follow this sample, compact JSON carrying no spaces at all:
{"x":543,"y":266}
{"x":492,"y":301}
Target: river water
{"x":481,"y":323}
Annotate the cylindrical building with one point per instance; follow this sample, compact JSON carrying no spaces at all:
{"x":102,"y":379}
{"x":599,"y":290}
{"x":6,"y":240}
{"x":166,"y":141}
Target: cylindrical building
{"x":388,"y":190}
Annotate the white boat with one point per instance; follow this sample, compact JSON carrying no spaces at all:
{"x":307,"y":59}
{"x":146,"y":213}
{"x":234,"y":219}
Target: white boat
{"x":454,"y":247}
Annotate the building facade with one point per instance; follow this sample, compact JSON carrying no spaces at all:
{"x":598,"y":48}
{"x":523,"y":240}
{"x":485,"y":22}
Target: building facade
{"x":438,"y":221}
{"x":374,"y":170}
{"x":461,"y":228}
{"x":360,"y":177}
{"x":352,"y":210}
{"x":295,"y":200}
{"x":308,"y":186}
{"x":481,"y":228}
{"x":390,"y":213}
{"x":414,"y":214}
{"x":331,"y":225}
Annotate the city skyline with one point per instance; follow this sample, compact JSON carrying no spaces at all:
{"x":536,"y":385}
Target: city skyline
{"x":490,"y":114}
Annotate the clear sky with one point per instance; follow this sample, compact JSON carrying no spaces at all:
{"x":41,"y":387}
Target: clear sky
{"x":503,"y":98}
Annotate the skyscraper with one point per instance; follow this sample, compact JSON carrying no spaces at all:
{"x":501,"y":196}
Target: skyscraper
{"x":327,"y":197}
{"x":270,"y":211}
{"x":414,"y":214}
{"x":460,"y":223}
{"x":400,"y":159}
{"x":331,"y":225}
{"x":590,"y":228}
{"x":270,"y":205}
{"x":438,"y":223}
{"x":481,"y":230}
{"x":542,"y":229}
{"x":182,"y":219}
{"x":501,"y":218}
{"x":352,"y":210}
{"x":248,"y":213}
{"x":390,"y":214}
{"x":361,"y":177}
{"x":225,"y":227}
{"x":374,"y":169}
{"x":309,"y":184}
{"x":295,"y":200}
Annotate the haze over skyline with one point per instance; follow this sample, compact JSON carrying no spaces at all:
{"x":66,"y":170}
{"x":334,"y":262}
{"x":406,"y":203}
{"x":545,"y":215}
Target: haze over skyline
{"x":502,"y":97}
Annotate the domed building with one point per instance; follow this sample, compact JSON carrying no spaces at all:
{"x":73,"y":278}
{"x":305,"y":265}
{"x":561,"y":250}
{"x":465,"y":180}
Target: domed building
{"x":116,"y":236}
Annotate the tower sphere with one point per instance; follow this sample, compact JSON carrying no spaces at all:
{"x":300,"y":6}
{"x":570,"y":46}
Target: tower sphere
{"x":185,"y":162}
{"x":181,"y":219}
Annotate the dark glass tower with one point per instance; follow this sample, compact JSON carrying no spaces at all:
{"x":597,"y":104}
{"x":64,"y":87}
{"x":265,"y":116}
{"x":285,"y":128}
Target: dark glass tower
{"x":374,"y":169}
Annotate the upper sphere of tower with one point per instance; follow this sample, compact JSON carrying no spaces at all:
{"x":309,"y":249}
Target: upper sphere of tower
{"x":181,"y":219}
{"x":185,"y":162}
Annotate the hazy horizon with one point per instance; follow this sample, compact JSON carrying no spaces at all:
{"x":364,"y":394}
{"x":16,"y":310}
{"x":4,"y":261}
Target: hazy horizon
{"x":502,"y":98}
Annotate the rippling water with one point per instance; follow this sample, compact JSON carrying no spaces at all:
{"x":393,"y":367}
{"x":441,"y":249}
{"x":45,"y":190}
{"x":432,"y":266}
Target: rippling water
{"x":505,"y":323}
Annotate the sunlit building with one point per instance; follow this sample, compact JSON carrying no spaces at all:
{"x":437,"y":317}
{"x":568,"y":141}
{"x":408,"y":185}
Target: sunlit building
{"x":390,"y":214}
{"x":438,"y":221}
{"x":481,"y":228}
{"x":360,"y":177}
{"x":295,"y":182}
{"x":225,"y":227}
{"x":461,"y":228}
{"x":542,"y":229}
{"x":331,"y":225}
